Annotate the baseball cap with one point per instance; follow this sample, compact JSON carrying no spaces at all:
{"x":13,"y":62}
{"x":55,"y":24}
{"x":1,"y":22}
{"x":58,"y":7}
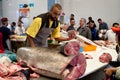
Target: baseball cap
{"x":4,"y":19}
{"x":116,"y":30}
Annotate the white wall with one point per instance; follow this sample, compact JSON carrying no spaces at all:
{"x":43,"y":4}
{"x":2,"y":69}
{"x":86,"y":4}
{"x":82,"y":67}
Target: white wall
{"x":10,"y":8}
{"x":108,"y":10}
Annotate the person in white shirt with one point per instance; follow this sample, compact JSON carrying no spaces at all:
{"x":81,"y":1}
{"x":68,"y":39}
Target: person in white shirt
{"x":111,"y":35}
{"x":19,"y":30}
{"x":26,"y":22}
{"x":12,"y":27}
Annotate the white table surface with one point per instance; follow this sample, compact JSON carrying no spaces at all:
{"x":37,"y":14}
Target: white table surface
{"x":94,"y":64}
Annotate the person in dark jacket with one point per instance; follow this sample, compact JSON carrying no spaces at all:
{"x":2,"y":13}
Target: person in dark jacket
{"x":5,"y":32}
{"x":83,"y":29}
{"x":90,"y":19}
{"x":72,"y":23}
{"x":92,"y":27}
{"x":102,"y":25}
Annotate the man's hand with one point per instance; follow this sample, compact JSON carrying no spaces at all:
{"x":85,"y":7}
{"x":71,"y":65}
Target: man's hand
{"x":110,"y":71}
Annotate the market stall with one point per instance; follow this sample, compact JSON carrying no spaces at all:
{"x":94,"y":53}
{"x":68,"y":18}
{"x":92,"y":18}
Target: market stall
{"x":53,"y":65}
{"x":94,"y":66}
{"x":17,"y":42}
{"x":92,"y":57}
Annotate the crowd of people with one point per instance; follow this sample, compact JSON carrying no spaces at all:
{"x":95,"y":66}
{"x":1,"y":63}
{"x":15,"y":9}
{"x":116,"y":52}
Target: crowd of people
{"x":9,"y":30}
{"x":86,"y":28}
{"x":91,"y":31}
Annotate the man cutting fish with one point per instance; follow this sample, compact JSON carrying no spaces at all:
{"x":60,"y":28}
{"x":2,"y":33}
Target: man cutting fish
{"x":44,"y":25}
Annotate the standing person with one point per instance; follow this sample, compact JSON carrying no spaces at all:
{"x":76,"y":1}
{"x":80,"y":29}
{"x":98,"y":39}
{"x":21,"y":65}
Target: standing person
{"x":90,"y":19}
{"x":12,"y":27}
{"x":117,"y":31}
{"x":5,"y":32}
{"x":19,"y":30}
{"x":72,"y":16}
{"x":110,"y":34}
{"x":92,"y":27}
{"x":26,"y":22}
{"x":44,"y":25}
{"x":72,"y":23}
{"x":83,"y":29}
{"x":102,"y":25}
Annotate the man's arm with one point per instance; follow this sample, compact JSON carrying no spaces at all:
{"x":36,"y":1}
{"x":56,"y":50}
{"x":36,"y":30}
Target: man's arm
{"x":32,"y":30}
{"x":110,"y":71}
{"x":12,"y":36}
{"x":30,"y":41}
{"x":71,"y":34}
{"x":62,"y":39}
{"x":57,"y":37}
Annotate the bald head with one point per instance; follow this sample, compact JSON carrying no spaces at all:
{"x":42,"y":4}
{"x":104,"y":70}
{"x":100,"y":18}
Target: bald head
{"x":55,"y":11}
{"x":56,"y":6}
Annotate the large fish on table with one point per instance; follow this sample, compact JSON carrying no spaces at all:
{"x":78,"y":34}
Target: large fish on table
{"x":50,"y":62}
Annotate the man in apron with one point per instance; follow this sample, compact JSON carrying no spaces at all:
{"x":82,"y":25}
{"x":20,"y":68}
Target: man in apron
{"x":44,"y":25}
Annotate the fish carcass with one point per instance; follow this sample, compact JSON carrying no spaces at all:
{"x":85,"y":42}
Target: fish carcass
{"x":50,"y":62}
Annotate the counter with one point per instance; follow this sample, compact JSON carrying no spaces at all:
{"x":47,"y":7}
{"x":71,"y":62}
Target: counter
{"x":94,"y":65}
